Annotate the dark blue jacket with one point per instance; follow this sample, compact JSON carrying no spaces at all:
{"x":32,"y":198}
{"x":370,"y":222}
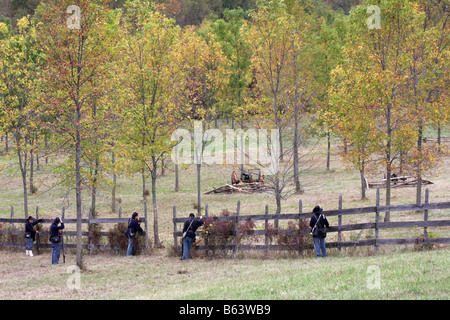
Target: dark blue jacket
{"x":29,"y":227}
{"x":54,"y":230}
{"x":321,"y":224}
{"x":134,"y":227}
{"x":196,"y":223}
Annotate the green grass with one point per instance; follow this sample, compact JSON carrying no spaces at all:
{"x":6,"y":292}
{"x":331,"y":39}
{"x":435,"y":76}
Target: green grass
{"x":405,"y":275}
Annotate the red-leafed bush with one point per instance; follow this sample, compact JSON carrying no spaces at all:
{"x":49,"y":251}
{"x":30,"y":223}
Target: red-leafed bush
{"x":295,"y":237}
{"x":219,"y":232}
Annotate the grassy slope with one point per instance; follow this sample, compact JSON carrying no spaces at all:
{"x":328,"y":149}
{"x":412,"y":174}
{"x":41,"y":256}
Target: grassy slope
{"x":407,"y":275}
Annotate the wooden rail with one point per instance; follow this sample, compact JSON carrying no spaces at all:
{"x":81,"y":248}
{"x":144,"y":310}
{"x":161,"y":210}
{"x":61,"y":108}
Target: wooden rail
{"x":376,"y":225}
{"x":88,"y":222}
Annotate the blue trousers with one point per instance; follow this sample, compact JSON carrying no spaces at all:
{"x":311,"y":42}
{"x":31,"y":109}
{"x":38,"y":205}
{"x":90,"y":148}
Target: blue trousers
{"x":319,"y":245}
{"x":29,"y":243}
{"x":130,"y":250}
{"x":56,"y":251}
{"x":187,"y":243}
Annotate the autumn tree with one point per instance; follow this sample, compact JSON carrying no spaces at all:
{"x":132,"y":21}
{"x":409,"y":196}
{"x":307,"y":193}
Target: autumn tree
{"x":228,"y":32}
{"x":271,"y":37}
{"x":238,"y":100}
{"x":427,"y":58}
{"x":20,"y":62}
{"x":76,"y":72}
{"x":383,"y":81}
{"x":199,"y":78}
{"x":148,"y":115}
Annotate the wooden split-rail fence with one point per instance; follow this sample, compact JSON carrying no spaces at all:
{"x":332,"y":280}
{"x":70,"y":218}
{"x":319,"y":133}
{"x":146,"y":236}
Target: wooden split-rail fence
{"x":89,"y":246}
{"x":376,"y":225}
{"x":236,"y":245}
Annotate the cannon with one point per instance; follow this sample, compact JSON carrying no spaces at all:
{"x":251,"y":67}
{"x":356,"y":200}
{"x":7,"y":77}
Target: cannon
{"x":248,"y":176}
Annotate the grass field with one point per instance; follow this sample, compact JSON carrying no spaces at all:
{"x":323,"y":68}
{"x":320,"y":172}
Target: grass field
{"x":405,"y":273}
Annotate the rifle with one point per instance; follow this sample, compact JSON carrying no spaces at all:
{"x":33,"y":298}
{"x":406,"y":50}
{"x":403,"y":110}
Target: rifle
{"x":38,"y":240}
{"x":182,"y":248}
{"x":62,"y":246}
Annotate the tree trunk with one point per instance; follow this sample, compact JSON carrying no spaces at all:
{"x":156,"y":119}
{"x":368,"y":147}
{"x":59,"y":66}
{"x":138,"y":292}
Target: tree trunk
{"x":23,"y":171}
{"x":242,"y":148}
{"x":199,"y":194}
{"x":46,"y":149}
{"x":363,"y":181}
{"x":79,"y":253}
{"x":277,"y":198}
{"x":94,"y":190}
{"x":155,"y":207}
{"x":25,"y":193}
{"x":419,"y":165}
{"x":31,"y":172}
{"x":113,"y":193}
{"x":328,"y":149}
{"x":163,"y":169}
{"x":6,"y":143}
{"x":387,"y":216}
{"x":38,"y":167}
{"x":298,"y":188}
{"x":362,"y":169}
{"x":281,"y":145}
{"x":439,"y":138}
{"x":177,"y":179}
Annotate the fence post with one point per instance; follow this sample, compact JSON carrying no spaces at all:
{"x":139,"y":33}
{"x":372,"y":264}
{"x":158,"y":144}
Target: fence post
{"x":340,"y":223}
{"x":62,"y":231}
{"x":425,"y":218}
{"x":300,"y":210}
{"x":266,"y":225}
{"x":89,"y":231}
{"x":12,"y":216}
{"x":236,"y":229}
{"x":120,"y":212}
{"x":37,"y":234}
{"x":175,"y":245}
{"x":377,"y":219}
{"x":206,"y":238}
{"x":12,"y":225}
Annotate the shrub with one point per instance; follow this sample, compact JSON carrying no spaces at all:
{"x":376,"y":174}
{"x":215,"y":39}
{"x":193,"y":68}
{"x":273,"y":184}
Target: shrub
{"x":419,"y":242}
{"x":271,"y":232}
{"x":218,"y":232}
{"x":247,"y":227}
{"x":118,"y":240}
{"x":2,"y":236}
{"x":11,"y":234}
{"x":246,"y":230}
{"x":296,"y":237}
{"x":95,"y":234}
